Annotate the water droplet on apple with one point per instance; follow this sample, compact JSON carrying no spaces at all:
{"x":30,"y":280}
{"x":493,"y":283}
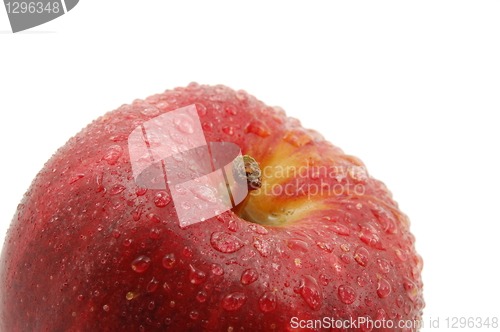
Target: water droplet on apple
{"x":407,"y":308}
{"x":393,"y":314}
{"x":310,"y":292}
{"x":344,"y":258}
{"x":358,"y":174}
{"x":371,"y":239}
{"x":368,"y":301}
{"x":268,"y":302}
{"x":75,"y":178}
{"x":230,"y":109}
{"x":346,"y":294}
{"x":162,"y":198}
{"x":169,"y":261}
{"x":259,"y":229}
{"x":118,"y":138}
{"x":113,"y":153}
{"x":400,"y":254}
{"x":258,"y":128}
{"x":225,"y":242}
{"x":232,"y":225}
{"x":116,"y":234}
{"x":297,"y":245}
{"x":116,"y":189}
{"x":80,"y":297}
{"x":324,"y":280}
{"x":400,"y":301}
{"x":361,"y":281}
{"x":217,"y":269}
{"x":98,"y":182}
{"x":193,"y":86}
{"x":201,"y":297}
{"x":109,"y":128}
{"x":150,"y":111}
{"x":381,"y":315}
{"x":325,"y":246}
{"x":249,"y":276}
{"x":129,"y":296}
{"x":105,"y":307}
{"x":241,"y":95}
{"x":384,"y":265}
{"x":136,"y":213}
{"x":362,"y":256}
{"x":153,"y":217}
{"x":233,"y":301}
{"x":141,"y":191}
{"x":177,"y":139}
{"x":185,"y":205}
{"x":188,"y":252}
{"x":167,"y":287}
{"x":297,"y":137}
{"x":141,"y":264}
{"x":262,"y":246}
{"x":383,"y":288}
{"x":151,"y":305}
{"x":366,"y":326}
{"x":196,"y":276}
{"x":204,"y":193}
{"x":194,"y":315}
{"x":154,"y":233}
{"x":411,"y":289}
{"x":340,"y":229}
{"x":207,"y":126}
{"x":184,"y":123}
{"x":228,"y":130}
{"x":201,"y":109}
{"x":152,"y":285}
{"x":179,"y":188}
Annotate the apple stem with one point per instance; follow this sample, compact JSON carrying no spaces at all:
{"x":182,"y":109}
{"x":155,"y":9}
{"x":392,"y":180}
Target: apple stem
{"x":252,"y":174}
{"x":251,"y":177}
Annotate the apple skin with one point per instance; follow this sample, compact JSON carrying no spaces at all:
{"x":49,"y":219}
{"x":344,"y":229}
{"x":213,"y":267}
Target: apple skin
{"x":89,"y":250}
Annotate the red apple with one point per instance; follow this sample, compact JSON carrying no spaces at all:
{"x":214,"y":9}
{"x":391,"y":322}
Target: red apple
{"x":101,"y":243}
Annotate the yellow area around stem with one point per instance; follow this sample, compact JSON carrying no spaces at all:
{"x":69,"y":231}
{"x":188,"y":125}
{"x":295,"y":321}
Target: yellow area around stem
{"x":281,"y":168}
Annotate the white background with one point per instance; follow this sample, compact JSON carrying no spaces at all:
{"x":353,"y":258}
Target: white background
{"x":412,"y":88}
